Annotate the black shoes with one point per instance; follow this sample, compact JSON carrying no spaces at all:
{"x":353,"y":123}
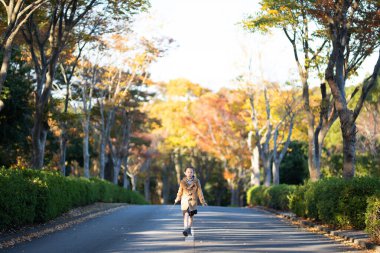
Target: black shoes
{"x":186,"y":231}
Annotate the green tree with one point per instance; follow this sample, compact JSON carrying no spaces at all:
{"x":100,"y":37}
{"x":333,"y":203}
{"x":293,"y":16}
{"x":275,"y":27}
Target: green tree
{"x":293,"y":169}
{"x":354,"y":30}
{"x":15,"y":13}
{"x":17,"y":114}
{"x":47,"y":32}
{"x":292,"y":17}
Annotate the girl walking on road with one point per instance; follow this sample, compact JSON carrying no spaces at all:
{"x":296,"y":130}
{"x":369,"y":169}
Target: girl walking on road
{"x":188,"y":193}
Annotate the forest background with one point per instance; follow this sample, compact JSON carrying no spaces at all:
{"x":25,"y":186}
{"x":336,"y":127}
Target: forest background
{"x":77,"y":98}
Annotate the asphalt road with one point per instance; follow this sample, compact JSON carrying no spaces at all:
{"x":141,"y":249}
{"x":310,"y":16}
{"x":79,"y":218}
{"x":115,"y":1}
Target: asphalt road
{"x":159,"y":229}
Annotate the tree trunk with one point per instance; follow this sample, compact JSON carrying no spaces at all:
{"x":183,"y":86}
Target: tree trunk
{"x":108,"y":170}
{"x":348,"y":128}
{"x":178,"y":164}
{"x":116,"y":169}
{"x":105,"y":133}
{"x":41,"y":126}
{"x":165,"y":184}
{"x":335,"y":76}
{"x":313,"y":158}
{"x":62,"y":150}
{"x":255,"y":159}
{"x":147,"y":188}
{"x":234,"y":194}
{"x":276,"y":172}
{"x":159,"y":192}
{"x":102,"y":155}
{"x":86,"y":147}
{"x":7,"y":53}
{"x":126,"y":183}
{"x":134,"y":182}
{"x":39,"y":134}
{"x":267,"y":171}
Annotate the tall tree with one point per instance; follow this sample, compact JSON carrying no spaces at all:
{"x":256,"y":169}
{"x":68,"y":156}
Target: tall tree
{"x":278,"y":156}
{"x":292,"y":17}
{"x":172,"y":105}
{"x":47,"y":32}
{"x":14,"y":118}
{"x":354,"y":30}
{"x":88,"y":32}
{"x":217,"y":124}
{"x":17,"y":13}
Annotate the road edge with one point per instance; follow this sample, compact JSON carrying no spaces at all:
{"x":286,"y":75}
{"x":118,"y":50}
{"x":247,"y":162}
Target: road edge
{"x":58,"y":224}
{"x":338,"y":233}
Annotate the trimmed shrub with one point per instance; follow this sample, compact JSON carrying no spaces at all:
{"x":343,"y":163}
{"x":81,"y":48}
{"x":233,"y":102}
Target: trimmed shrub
{"x":29,"y":196}
{"x":278,"y":196}
{"x":255,"y":195}
{"x":326,"y":195}
{"x":335,"y":201}
{"x":297,"y":202}
{"x":372,"y":218}
{"x":311,"y":198}
{"x":353,"y":202}
{"x":18,"y":199}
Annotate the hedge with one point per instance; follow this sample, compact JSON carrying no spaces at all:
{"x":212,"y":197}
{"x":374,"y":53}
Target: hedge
{"x":353,"y":203}
{"x":31,"y":196}
{"x":372,"y":218}
{"x":276,"y":196}
{"x":336,"y":201}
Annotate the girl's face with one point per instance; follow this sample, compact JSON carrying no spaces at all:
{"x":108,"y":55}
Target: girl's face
{"x":189,"y":173}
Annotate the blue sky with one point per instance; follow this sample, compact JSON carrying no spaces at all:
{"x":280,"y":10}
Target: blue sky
{"x":212,"y":48}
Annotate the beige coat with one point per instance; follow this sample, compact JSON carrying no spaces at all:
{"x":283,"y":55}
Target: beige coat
{"x":189,"y":194}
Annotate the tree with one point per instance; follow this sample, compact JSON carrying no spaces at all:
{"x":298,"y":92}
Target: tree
{"x":354,"y":31}
{"x":279,"y":156}
{"x":17,"y":13}
{"x":266,"y":133}
{"x":217,"y":124}
{"x":369,"y":123}
{"x":47,"y":32}
{"x":122,"y":89}
{"x":263,"y":147}
{"x":89,"y":32}
{"x":17,"y":115}
{"x":293,"y":169}
{"x":171,"y":108}
{"x":292,"y":17}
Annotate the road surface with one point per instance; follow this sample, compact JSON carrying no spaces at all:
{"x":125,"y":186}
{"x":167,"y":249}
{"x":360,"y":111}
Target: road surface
{"x":154,"y":228}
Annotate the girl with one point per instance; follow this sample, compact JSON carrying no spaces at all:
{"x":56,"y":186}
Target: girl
{"x":189,"y":191}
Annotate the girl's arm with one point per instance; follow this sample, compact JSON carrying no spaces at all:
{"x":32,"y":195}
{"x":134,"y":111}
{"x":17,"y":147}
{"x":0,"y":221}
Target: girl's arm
{"x":200,"y":194}
{"x":179,"y":194}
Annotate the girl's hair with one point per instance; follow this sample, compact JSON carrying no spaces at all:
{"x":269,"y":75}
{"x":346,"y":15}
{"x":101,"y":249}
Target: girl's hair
{"x":190,"y":167}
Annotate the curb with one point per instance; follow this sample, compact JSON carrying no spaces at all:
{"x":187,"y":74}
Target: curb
{"x":359,"y":239}
{"x":60,"y":223}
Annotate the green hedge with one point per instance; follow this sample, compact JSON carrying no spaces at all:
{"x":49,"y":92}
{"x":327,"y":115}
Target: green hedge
{"x":255,"y":196}
{"x":335,"y":201}
{"x":276,"y":196}
{"x":30,"y":196}
{"x":372,"y":218}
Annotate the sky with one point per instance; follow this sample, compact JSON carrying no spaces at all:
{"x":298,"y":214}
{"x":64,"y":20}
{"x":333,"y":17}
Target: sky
{"x":211,"y":47}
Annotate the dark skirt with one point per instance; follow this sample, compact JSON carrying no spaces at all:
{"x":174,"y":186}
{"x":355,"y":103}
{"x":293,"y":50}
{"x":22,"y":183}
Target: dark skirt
{"x":191,"y":213}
